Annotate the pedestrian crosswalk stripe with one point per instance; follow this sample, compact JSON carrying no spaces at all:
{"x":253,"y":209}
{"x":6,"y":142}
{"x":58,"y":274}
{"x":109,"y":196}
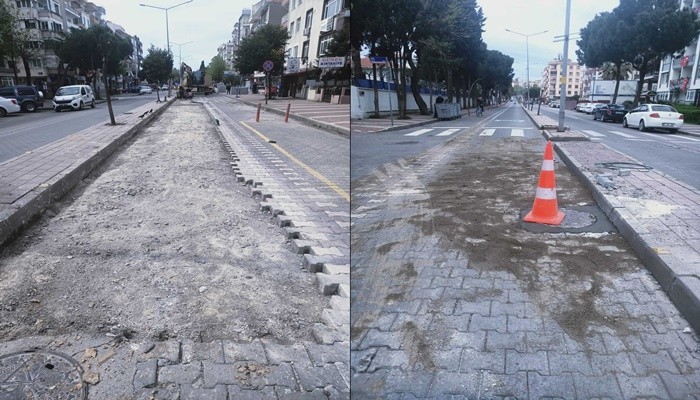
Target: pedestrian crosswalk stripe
{"x":624,"y":135}
{"x":517,"y":133}
{"x":447,"y":132}
{"x":418,"y":132}
{"x":594,"y":133}
{"x":487,"y":132}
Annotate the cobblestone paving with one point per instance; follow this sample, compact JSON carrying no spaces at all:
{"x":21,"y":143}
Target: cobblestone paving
{"x":428,"y":323}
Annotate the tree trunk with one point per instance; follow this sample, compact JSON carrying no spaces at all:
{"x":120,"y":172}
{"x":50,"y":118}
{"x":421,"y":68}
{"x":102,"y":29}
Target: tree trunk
{"x":422,"y":107}
{"x":618,"y":75}
{"x":27,"y":70}
{"x":640,"y":83}
{"x":356,"y":63}
{"x":450,"y":86}
{"x":376,"y":91}
{"x":109,"y":98}
{"x":401,"y":87}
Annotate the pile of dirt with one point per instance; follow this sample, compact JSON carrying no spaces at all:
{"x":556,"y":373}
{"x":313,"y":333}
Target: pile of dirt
{"x":160,"y":241}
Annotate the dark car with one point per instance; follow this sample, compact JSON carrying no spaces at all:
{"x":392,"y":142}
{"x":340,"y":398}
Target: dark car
{"x":610,"y":112}
{"x":27,"y":96}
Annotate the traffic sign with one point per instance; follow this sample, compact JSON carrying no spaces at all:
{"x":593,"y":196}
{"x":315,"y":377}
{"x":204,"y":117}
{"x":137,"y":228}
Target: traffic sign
{"x":268,"y":65}
{"x":378,"y":60}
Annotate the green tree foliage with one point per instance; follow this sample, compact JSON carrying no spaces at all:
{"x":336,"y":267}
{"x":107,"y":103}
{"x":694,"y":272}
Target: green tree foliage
{"x":157,"y":65}
{"x":339,"y":46}
{"x":266,"y":43}
{"x":216,"y":69}
{"x":496,"y":70}
{"x":640,"y":32}
{"x":16,"y":42}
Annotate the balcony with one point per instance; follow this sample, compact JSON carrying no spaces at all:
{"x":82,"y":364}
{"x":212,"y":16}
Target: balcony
{"x":328,"y":24}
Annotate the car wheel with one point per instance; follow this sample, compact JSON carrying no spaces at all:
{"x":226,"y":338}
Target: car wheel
{"x":81,"y":106}
{"x":642,"y":127}
{"x":624,"y":123}
{"x":29,"y":106}
{"x":58,"y":109}
{"x":92,"y":105}
{"x":3,"y":112}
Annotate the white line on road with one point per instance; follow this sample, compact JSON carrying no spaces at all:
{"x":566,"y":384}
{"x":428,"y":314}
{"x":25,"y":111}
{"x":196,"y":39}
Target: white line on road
{"x":517,"y":133}
{"x":594,"y":133}
{"x":624,"y":135}
{"x":487,"y":132}
{"x":447,"y":132}
{"x":418,"y":132}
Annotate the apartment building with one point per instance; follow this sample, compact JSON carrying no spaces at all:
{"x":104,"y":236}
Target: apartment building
{"x":550,"y":82}
{"x":679,"y":76}
{"x":311,"y":25}
{"x":46,"y":19}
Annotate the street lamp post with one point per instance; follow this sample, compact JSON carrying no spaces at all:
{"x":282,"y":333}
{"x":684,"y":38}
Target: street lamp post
{"x":180,"y":57}
{"x":527,"y":55}
{"x":167,"y":29}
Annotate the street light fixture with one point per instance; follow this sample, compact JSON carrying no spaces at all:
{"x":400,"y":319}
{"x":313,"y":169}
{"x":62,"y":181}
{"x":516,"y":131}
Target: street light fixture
{"x":167,"y":29}
{"x":180,"y":45}
{"x":527,"y":55}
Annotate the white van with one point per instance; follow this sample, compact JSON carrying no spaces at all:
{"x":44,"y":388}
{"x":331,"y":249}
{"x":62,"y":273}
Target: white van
{"x":75,"y":97}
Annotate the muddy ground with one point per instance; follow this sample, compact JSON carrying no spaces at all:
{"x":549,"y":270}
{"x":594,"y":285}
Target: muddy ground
{"x":160,"y":241}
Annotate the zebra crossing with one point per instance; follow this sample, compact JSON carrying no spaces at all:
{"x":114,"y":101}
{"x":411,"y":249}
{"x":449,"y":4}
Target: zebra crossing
{"x":523,"y":132}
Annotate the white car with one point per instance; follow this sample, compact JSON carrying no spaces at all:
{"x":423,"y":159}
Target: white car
{"x":650,"y":116}
{"x":145,"y":90}
{"x":8,"y":106}
{"x":74,"y":97}
{"x":579,"y":106}
{"x":164,"y":87}
{"x":588,"y":108}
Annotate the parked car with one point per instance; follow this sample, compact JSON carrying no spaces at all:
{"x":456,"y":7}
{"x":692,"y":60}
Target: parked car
{"x":134,"y":89}
{"x":554,"y":104}
{"x":588,"y":108}
{"x":27,"y":97}
{"x":650,"y":116}
{"x":164,"y":87}
{"x":74,"y":97}
{"x":579,"y":106}
{"x":145,"y":90}
{"x":8,"y":106}
{"x":610,"y":112}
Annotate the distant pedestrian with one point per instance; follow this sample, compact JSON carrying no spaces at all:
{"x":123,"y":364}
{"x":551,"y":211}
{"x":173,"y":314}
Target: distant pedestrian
{"x":228,"y":88}
{"x":480,"y":106}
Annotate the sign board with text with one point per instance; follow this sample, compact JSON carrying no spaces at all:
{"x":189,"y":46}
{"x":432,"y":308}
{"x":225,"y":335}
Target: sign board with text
{"x":331,"y":62}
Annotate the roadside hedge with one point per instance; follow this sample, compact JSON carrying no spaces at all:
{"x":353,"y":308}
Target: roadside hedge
{"x":691,"y":114}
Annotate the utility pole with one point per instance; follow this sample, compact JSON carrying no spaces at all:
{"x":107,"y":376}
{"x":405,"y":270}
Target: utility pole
{"x":565,"y":71}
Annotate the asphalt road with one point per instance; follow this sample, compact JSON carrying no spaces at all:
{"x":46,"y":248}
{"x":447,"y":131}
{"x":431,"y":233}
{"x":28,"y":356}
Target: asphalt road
{"x":677,"y":155}
{"x":674,"y":154}
{"x":24,"y":132}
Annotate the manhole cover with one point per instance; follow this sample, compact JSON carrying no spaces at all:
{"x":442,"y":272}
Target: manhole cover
{"x":577,"y":219}
{"x":40,"y":375}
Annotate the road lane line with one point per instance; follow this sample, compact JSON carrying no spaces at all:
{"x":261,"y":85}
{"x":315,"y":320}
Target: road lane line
{"x":517,"y":133}
{"x":487,"y":132}
{"x":595,"y":134}
{"x":345,"y":195}
{"x":624,"y":135}
{"x":447,"y":132}
{"x":418,"y":132}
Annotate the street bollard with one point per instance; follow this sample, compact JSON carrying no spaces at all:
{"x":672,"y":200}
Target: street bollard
{"x":286,"y":116}
{"x":257,"y":117}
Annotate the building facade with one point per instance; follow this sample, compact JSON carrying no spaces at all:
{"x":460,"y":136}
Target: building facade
{"x":551,"y":75}
{"x":679,"y":75}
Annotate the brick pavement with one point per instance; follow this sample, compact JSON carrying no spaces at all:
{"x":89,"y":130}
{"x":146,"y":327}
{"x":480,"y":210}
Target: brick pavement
{"x":331,"y":117}
{"x":658,"y":215}
{"x":427,"y":324}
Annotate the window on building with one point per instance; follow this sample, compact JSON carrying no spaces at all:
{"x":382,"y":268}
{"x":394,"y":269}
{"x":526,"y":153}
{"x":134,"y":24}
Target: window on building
{"x":291,"y":27}
{"x":56,"y":27}
{"x":295,"y":51}
{"x":24,"y":3}
{"x":305,"y":51}
{"x":35,"y":62}
{"x":44,"y":25}
{"x":309,"y":18}
{"x":34,"y":45}
{"x":330,"y":8}
{"x":323,"y":45}
{"x":29,"y":24}
{"x":56,"y":8}
{"x":298,"y":23}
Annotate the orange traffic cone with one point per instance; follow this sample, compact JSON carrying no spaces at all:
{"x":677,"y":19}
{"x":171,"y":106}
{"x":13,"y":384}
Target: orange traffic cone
{"x":545,"y":210}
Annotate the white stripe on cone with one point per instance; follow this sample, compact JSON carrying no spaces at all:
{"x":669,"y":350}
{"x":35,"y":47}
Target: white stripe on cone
{"x":547,"y":165}
{"x":546,"y":194}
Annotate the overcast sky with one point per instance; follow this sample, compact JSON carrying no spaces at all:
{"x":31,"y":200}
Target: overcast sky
{"x":533,"y":16}
{"x":205,"y":23}
{"x":208,"y":23}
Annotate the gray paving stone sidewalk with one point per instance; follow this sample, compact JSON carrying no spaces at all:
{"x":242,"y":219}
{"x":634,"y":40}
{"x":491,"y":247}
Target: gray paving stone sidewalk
{"x":658,"y":215}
